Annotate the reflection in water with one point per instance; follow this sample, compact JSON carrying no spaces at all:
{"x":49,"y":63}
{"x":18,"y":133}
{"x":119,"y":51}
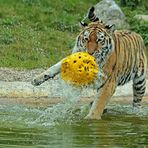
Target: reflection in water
{"x":35,"y":127}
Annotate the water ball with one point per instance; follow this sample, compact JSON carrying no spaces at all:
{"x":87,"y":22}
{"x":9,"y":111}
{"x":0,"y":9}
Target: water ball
{"x":79,"y":69}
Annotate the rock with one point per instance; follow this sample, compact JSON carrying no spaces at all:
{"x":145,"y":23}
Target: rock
{"x":143,"y":18}
{"x":109,"y":12}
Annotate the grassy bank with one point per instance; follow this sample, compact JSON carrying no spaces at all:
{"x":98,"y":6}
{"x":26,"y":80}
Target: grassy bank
{"x":38,"y":33}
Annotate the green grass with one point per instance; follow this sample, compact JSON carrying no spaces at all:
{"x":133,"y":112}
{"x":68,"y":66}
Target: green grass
{"x":38,"y":33}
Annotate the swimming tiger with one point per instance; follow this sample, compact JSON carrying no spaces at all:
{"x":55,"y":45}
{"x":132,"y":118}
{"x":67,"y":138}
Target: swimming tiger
{"x":119,"y":53}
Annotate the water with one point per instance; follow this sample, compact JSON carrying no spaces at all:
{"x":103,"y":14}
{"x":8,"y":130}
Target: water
{"x":63,"y":125}
{"x":23,"y":126}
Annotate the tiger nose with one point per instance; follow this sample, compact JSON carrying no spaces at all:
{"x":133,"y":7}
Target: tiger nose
{"x":90,"y":51}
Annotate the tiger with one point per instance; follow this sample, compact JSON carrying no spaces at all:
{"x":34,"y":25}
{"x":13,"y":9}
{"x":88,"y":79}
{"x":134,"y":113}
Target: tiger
{"x":120,"y":54}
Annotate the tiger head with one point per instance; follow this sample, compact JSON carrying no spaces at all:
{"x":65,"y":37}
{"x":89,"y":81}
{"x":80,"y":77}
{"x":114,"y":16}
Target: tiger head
{"x":96,"y":38}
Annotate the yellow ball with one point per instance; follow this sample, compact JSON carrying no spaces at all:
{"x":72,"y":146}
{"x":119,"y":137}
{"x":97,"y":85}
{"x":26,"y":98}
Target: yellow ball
{"x":79,"y":68}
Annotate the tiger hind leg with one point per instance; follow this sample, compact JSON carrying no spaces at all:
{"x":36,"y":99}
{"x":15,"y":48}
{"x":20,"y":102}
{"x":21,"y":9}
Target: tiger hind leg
{"x":139,"y":86}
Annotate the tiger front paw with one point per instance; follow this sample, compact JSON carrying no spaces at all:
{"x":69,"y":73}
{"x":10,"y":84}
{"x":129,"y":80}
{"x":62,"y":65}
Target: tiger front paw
{"x":41,"y":79}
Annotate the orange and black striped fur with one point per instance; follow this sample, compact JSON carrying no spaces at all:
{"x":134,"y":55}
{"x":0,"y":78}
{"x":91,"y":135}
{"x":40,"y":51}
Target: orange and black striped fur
{"x":119,"y":53}
{"x":121,"y":56}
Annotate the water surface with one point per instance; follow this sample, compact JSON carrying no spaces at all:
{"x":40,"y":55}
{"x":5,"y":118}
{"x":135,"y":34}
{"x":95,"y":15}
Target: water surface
{"x":58,"y":127}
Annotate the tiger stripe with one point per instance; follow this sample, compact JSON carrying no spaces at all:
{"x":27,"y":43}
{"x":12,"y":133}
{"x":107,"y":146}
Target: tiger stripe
{"x":121,"y":56}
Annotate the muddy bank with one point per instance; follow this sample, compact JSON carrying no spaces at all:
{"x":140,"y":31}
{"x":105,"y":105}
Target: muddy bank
{"x":13,"y":74}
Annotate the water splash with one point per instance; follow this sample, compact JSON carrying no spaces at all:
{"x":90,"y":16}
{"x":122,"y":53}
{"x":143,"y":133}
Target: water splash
{"x":24,"y":116}
{"x":118,"y":109}
{"x":68,"y":111}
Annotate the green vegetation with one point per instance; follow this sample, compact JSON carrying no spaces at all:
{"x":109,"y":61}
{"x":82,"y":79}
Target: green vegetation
{"x":38,"y":33}
{"x":130,"y":10}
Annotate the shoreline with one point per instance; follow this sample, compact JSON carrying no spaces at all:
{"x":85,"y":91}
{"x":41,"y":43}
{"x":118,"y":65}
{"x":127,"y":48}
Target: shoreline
{"x":16,"y":87}
{"x":46,"y":102}
{"x":51,"y":93}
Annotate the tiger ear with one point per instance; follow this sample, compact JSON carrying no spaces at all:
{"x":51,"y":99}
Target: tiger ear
{"x":110,"y":28}
{"x":91,"y":15}
{"x":83,"y":24}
